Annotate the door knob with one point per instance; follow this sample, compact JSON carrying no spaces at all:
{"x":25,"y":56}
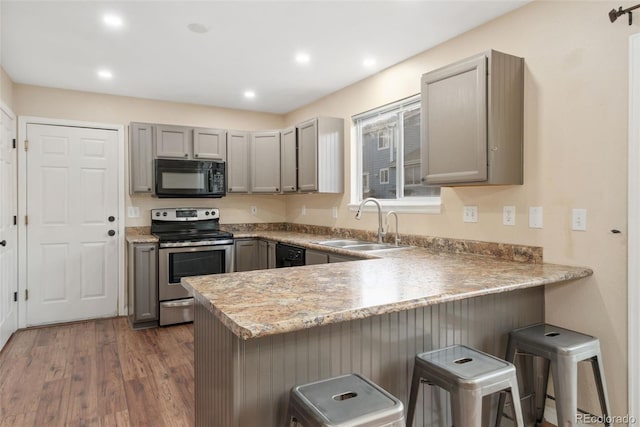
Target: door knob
{"x":3,"y":243}
{"x":112,"y":218}
{"x":111,"y":232}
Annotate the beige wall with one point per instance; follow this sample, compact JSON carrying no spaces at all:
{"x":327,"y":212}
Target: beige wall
{"x":6,"y":88}
{"x":92,"y":107}
{"x":575,"y":157}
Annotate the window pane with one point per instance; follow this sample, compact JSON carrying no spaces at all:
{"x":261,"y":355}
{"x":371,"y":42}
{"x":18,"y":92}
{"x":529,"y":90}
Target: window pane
{"x":412,"y":174}
{"x":379,"y":146}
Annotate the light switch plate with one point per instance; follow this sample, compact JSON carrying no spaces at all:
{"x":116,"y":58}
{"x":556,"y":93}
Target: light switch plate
{"x":303,"y":210}
{"x":535,"y":217}
{"x":470,"y":214}
{"x":133,"y":212}
{"x":334,"y":212}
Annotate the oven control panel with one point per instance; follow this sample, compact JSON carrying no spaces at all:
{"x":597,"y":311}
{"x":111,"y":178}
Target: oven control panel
{"x":184,"y":214}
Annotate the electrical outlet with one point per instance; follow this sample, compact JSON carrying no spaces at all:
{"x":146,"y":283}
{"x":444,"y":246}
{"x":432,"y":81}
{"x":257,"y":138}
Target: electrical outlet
{"x":470,"y":214}
{"x":535,"y":217}
{"x":334,"y":212}
{"x":579,"y":219}
{"x":303,"y":210}
{"x":254,"y":210}
{"x":509,"y":215}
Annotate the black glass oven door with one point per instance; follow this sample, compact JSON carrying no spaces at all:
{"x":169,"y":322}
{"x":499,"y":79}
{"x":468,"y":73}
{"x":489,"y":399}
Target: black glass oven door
{"x":199,"y":263}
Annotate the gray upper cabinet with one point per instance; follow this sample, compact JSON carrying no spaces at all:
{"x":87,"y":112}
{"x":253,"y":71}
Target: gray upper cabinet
{"x":173,"y":142}
{"x":141,"y":140}
{"x":265,"y":162}
{"x":209,"y":144}
{"x":288,"y":163}
{"x":237,"y":161}
{"x":321,"y":155}
{"x":472,"y":121}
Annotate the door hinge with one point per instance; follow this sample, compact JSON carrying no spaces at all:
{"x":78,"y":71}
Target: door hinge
{"x":26,"y":220}
{"x":26,"y":294}
{"x":26,"y":145}
{"x":15,"y":220}
{"x":14,"y":143}
{"x":15,"y":296}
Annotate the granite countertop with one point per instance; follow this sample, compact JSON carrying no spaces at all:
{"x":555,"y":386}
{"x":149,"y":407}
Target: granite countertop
{"x":269,"y":302}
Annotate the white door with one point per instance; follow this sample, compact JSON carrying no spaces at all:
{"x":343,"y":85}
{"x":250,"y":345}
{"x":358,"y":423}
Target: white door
{"x":8,"y":230}
{"x":72,"y":209}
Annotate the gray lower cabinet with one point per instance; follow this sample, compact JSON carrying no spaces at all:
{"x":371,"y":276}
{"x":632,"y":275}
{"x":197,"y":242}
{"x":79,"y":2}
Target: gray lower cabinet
{"x":246,"y":254}
{"x":143,"y":285}
{"x":141,"y":142}
{"x":315,"y":257}
{"x":267,"y":254}
{"x":472,"y":116}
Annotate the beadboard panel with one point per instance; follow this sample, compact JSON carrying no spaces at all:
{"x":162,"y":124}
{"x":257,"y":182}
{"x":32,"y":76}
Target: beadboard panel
{"x":246,"y":383}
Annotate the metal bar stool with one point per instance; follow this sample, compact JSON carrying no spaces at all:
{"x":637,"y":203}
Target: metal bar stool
{"x":346,"y":401}
{"x":467,"y":375}
{"x":562,"y":349}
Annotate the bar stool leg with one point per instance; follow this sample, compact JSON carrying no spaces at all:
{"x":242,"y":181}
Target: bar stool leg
{"x":598,"y":374}
{"x":466,"y":408}
{"x":565,"y":390}
{"x":541,"y":383}
{"x":510,"y":357}
{"x":517,"y":407}
{"x":413,"y":396}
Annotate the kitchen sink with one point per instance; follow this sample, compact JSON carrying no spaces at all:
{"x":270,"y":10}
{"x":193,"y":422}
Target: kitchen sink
{"x":341,"y":243}
{"x":359,"y":245}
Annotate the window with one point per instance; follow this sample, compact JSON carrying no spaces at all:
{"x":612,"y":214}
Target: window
{"x":384,"y":176}
{"x":388,"y":158}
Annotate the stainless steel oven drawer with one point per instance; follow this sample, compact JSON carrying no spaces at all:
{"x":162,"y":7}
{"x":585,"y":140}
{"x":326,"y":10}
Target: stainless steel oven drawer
{"x":177,"y":311}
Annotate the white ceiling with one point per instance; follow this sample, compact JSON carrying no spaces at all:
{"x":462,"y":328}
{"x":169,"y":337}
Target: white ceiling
{"x":249,"y":45}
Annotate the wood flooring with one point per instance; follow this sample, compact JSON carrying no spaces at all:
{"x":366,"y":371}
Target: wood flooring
{"x":98,"y":373}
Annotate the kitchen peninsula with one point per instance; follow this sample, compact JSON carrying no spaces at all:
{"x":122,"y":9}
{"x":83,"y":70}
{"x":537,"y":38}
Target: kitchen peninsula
{"x":259,"y":333}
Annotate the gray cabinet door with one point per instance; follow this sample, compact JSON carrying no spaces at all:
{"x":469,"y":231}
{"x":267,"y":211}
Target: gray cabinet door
{"x":454,"y":120}
{"x":237,"y":162}
{"x":246,"y":254}
{"x":141,"y":158}
{"x":173,"y":142}
{"x":265,"y":162}
{"x":143,"y":284}
{"x":271,"y":254}
{"x":315,"y":257}
{"x":263,"y":254}
{"x":308,"y":155}
{"x":209,"y":144}
{"x":288,"y":161}
{"x":341,"y":258}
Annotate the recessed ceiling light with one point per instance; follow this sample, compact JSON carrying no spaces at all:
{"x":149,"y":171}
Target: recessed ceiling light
{"x":105,"y":74}
{"x":249,"y":94}
{"x":303,"y":58}
{"x":369,"y":62}
{"x":198,"y":28}
{"x":113,"y":21}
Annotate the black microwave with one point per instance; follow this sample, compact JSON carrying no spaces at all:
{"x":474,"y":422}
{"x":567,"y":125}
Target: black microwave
{"x":189,"y":178}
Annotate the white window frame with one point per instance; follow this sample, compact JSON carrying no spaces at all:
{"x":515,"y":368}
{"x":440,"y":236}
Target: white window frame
{"x":384,"y":137}
{"x":430,"y":204}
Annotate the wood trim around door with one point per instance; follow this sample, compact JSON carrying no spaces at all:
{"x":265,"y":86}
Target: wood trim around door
{"x":633,"y":281}
{"x":23,"y":121}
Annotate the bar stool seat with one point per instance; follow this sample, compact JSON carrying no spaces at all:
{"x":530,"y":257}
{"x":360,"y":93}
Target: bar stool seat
{"x":467,"y":375}
{"x":562,"y":349}
{"x":346,"y":401}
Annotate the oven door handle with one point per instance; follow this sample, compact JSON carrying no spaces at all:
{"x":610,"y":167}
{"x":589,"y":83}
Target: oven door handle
{"x":174,"y":304}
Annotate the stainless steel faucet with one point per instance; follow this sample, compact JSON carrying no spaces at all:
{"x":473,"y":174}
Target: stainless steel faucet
{"x":377,"y":203}
{"x":397,"y":238}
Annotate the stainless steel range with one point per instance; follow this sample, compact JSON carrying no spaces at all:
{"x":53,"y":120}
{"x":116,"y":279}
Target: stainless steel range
{"x":190,"y":244}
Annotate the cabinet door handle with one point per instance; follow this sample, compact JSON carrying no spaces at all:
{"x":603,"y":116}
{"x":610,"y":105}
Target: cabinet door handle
{"x":196,"y":155}
{"x":277,"y":189}
{"x":186,"y":155}
{"x":230,"y":189}
{"x":148,"y":189}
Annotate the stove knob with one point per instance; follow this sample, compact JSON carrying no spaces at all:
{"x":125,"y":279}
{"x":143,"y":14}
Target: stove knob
{"x":206,"y":213}
{"x":164,"y":214}
{"x":157,"y":213}
{"x":212,"y":212}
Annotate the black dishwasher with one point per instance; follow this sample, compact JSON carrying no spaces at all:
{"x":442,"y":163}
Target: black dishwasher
{"x":289,"y":256}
